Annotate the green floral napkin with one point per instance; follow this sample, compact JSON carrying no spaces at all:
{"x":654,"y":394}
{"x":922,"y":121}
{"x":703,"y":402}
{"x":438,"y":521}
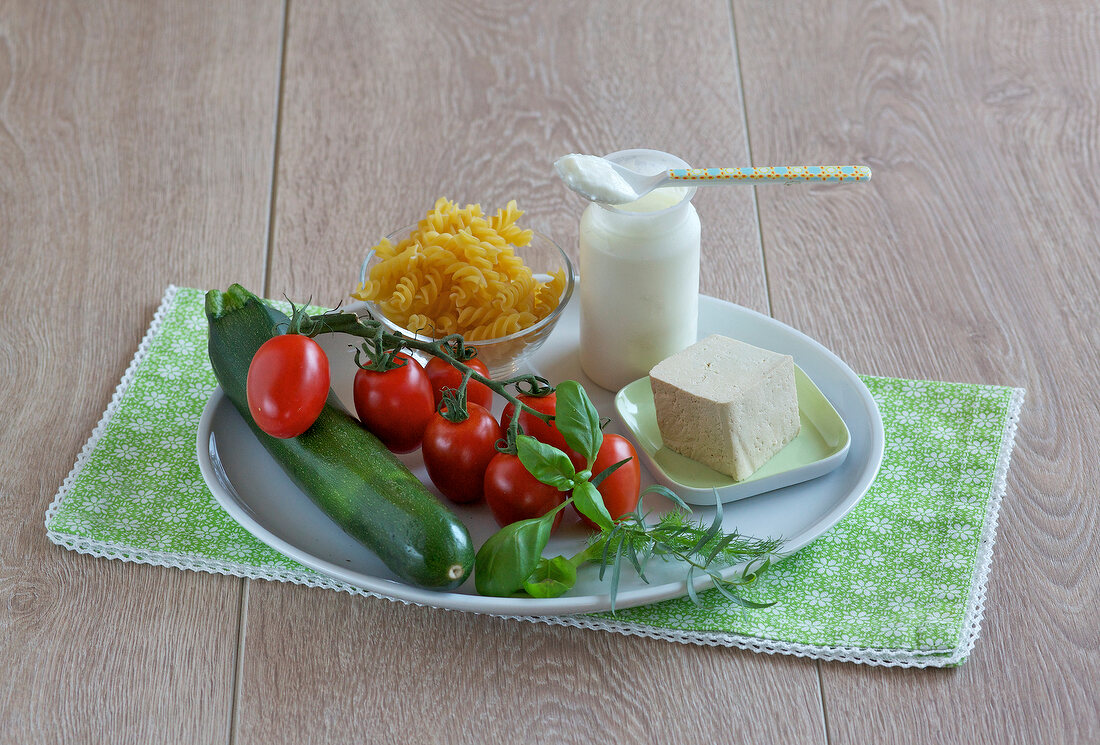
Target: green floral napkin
{"x":900,"y":581}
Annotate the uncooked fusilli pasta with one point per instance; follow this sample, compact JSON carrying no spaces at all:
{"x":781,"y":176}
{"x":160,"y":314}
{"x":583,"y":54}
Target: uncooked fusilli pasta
{"x":457,"y":272}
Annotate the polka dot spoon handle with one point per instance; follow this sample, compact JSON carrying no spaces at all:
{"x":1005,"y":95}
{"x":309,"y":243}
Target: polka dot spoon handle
{"x":769,"y":174}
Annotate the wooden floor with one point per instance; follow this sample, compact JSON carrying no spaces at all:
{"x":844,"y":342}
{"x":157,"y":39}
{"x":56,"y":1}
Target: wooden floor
{"x":201,"y":143}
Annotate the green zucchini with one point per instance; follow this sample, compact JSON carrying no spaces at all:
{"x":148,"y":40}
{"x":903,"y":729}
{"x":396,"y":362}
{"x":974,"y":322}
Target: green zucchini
{"x":341,"y":466}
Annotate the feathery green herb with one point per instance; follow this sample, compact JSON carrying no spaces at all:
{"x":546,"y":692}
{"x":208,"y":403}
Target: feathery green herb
{"x":704,"y":549}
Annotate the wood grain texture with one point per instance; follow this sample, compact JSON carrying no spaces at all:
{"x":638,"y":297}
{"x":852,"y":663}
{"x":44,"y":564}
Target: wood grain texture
{"x":391,"y":106}
{"x":970,"y":256}
{"x":327,"y":667}
{"x":387,"y":107}
{"x":136,"y":146}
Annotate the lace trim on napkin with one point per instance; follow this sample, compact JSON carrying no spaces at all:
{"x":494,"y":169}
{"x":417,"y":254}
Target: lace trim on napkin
{"x":975,"y":609}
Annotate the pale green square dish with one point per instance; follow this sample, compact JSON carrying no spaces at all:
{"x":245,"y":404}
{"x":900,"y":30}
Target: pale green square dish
{"x":821,"y":445}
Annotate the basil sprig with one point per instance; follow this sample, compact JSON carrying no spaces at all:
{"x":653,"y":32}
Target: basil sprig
{"x":509,"y":558}
{"x":510,"y":562}
{"x":578,"y":421}
{"x":507,"y":562}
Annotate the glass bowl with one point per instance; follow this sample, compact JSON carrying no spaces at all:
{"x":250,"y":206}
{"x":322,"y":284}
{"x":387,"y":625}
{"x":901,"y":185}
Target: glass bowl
{"x":505,"y":355}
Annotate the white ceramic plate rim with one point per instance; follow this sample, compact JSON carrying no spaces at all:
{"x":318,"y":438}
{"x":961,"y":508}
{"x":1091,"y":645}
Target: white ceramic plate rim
{"x":224,"y":492}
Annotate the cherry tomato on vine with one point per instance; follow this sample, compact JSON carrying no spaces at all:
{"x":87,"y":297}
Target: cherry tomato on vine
{"x":287,"y":385}
{"x":443,"y":375}
{"x":513,"y":494}
{"x":540,"y":430}
{"x":456,"y":454}
{"x":620,"y":490}
{"x":395,"y":405}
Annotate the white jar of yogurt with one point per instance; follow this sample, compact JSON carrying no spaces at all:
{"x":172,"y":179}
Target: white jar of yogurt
{"x":639,"y":277}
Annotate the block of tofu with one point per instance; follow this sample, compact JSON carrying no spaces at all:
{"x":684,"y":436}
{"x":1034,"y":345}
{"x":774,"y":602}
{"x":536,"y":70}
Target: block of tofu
{"x":726,"y":404}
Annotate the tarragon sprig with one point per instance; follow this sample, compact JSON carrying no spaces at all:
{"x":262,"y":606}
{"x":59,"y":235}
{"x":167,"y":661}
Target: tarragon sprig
{"x":704,"y":549}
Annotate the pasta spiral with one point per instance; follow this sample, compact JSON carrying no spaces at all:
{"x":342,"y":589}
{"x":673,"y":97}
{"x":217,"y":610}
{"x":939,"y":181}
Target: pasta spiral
{"x":457,"y":272}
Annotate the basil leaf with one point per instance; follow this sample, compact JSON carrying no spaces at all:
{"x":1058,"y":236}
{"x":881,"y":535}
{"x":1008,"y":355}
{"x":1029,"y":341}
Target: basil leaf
{"x":505,"y":561}
{"x":551,"y":578}
{"x":545,"y":462}
{"x":589,"y":502}
{"x":577,"y":420}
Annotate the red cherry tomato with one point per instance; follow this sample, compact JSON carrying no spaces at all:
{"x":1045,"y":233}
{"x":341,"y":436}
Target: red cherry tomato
{"x":456,"y":454}
{"x":513,"y":494}
{"x":620,"y":490}
{"x":287,"y":385}
{"x":395,"y":405}
{"x":444,"y":375}
{"x":540,"y":430}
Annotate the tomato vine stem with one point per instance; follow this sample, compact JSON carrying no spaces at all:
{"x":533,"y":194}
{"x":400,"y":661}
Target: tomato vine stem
{"x":452,"y":349}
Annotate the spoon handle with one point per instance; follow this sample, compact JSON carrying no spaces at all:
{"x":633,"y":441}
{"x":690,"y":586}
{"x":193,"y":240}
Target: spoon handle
{"x":772,"y":174}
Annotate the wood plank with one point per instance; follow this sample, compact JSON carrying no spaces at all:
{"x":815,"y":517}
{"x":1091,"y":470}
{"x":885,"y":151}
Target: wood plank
{"x":136,"y":144}
{"x":387,"y":107}
{"x":380,"y":671}
{"x":377,"y":127}
{"x":970,"y":256}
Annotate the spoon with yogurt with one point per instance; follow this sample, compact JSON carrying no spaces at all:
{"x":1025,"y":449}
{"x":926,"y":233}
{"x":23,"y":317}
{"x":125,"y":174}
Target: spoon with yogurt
{"x":600,"y":180}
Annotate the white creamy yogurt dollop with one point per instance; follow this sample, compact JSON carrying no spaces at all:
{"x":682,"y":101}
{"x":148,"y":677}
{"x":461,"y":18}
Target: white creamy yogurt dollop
{"x":594,"y":178}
